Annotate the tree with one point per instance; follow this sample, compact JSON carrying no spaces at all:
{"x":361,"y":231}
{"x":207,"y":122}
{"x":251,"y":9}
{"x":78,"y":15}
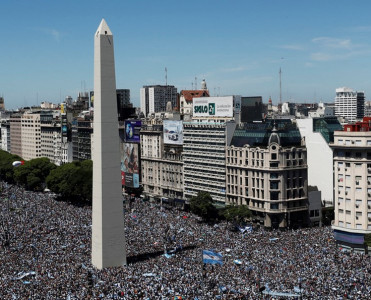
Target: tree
{"x":33,"y":173}
{"x":202,"y":205}
{"x":237,"y":214}
{"x":6,"y":167}
{"x":72,"y":181}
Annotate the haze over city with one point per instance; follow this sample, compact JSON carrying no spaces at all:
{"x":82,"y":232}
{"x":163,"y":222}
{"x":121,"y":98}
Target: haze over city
{"x":238,"y":47}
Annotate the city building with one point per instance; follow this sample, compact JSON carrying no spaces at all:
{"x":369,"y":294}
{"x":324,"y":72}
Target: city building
{"x":352,"y":172}
{"x":16,"y":134}
{"x":161,"y":159}
{"x":2,"y":104}
{"x":252,"y":108}
{"x":125,"y":108}
{"x":82,"y":129}
{"x":31,"y":135}
{"x":349,"y":104}
{"x":321,"y":111}
{"x":266,"y":169}
{"x":318,"y":134}
{"x":5,"y":135}
{"x":154,"y":98}
{"x":186,"y":98}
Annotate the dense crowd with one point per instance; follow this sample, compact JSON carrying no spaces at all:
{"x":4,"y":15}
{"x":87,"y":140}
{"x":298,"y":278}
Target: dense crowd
{"x":45,"y":254}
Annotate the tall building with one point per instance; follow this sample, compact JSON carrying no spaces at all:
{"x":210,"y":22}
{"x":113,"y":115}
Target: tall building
{"x":349,"y":104}
{"x":16,"y":134}
{"x":252,"y":109}
{"x":108,"y":234}
{"x":5,"y":135}
{"x":161,"y":159}
{"x":318,"y":134}
{"x":125,"y":108}
{"x":154,"y":98}
{"x":352,"y":172}
{"x":266,"y":169}
{"x":31,"y":135}
{"x":82,"y":129}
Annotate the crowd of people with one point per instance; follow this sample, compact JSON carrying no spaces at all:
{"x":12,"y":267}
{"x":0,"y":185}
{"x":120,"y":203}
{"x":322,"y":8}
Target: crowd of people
{"x":46,"y":254}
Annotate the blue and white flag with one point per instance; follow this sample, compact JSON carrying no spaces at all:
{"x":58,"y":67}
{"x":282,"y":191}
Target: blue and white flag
{"x":211,"y":257}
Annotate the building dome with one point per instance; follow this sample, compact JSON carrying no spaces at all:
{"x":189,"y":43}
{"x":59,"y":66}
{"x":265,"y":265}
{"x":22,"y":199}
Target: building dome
{"x":274,"y":137}
{"x":203,"y":85}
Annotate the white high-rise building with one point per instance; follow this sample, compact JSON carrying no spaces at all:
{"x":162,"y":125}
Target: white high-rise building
{"x":352,"y":188}
{"x":349,"y":104}
{"x":154,"y":98}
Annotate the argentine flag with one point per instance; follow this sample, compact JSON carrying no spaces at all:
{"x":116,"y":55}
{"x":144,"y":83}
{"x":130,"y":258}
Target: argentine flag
{"x":210,"y":257}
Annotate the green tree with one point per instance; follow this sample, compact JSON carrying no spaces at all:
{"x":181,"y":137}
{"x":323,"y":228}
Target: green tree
{"x":236,"y":214}
{"x":33,"y":173}
{"x":72,"y":181}
{"x":202,"y":205}
{"x":6,"y":166}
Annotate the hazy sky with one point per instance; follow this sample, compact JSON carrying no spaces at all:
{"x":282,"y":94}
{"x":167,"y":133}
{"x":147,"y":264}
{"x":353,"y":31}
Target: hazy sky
{"x":238,"y":46}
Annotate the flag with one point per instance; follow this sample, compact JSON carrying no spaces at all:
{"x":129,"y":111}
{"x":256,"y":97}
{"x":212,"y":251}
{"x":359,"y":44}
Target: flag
{"x":211,"y":257}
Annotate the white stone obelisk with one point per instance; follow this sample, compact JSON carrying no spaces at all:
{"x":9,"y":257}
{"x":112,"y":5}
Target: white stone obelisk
{"x":108,"y":235}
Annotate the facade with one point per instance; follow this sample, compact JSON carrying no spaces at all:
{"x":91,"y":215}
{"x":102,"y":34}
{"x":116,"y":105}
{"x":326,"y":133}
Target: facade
{"x":161,"y":163}
{"x":352,"y":172}
{"x":318,"y":133}
{"x":266,"y":170}
{"x":31,"y":135}
{"x":125,"y":108}
{"x":349,"y":104}
{"x":16,"y":134}
{"x":5,"y":135}
{"x":186,"y":100}
{"x":204,"y":159}
{"x":82,"y":129}
{"x":154,"y":98}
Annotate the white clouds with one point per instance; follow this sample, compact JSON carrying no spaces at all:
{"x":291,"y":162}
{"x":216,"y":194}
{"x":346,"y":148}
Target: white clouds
{"x":295,"y":47}
{"x":334,"y":43}
{"x":51,"y":32}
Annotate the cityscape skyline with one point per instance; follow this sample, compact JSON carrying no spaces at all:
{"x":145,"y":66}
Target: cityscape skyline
{"x":239,"y":49}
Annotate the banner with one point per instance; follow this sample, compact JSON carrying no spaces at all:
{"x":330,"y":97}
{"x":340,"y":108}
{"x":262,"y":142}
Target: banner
{"x":132,"y":131}
{"x":129,"y":165}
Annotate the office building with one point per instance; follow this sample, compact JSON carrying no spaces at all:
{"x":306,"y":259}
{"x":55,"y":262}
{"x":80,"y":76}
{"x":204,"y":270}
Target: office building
{"x":154,"y":98}
{"x":266,"y":170}
{"x":318,"y":134}
{"x":349,"y":104}
{"x":352,"y":172}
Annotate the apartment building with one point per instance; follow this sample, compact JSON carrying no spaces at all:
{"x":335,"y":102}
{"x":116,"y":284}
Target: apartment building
{"x":349,"y":104}
{"x":352,"y":173}
{"x":161,"y":159}
{"x":266,"y":169}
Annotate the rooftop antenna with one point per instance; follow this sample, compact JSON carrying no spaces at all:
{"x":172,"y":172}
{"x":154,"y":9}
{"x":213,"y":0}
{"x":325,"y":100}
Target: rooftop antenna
{"x":192,"y":85}
{"x":165,"y":76}
{"x":195,"y":83}
{"x":280,"y":72}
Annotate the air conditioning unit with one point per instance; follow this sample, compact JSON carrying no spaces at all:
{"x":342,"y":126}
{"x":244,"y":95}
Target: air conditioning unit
{"x":338,"y":169}
{"x":338,"y":203}
{"x":346,"y":193}
{"x":357,"y":205}
{"x":352,"y":142}
{"x":356,"y":218}
{"x":346,"y":169}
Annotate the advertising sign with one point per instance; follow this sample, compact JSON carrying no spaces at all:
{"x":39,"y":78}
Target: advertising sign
{"x":132,"y":131}
{"x":213,"y":106}
{"x":129,"y":165}
{"x":173,"y":132}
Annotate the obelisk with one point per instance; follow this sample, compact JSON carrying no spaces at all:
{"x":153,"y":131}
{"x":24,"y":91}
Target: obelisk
{"x":108,"y":235}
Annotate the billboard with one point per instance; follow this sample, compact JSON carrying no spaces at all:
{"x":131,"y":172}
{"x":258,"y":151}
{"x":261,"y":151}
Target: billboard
{"x":132,"y":131}
{"x":173,"y":132}
{"x":129,"y":165}
{"x":213,"y":106}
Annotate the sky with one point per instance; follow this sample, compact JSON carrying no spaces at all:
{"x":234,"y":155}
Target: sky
{"x":237,"y":46}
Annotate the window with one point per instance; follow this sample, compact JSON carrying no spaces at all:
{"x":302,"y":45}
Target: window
{"x":274,"y":156}
{"x":341,"y":211}
{"x":341,"y":223}
{"x":340,"y":164}
{"x":349,"y":225}
{"x":340,"y":141}
{"x":348,"y":212}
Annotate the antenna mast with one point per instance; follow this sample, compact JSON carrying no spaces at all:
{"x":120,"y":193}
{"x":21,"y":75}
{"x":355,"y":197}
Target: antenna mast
{"x":165,"y":76}
{"x":195,"y":83}
{"x":280,"y":87}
